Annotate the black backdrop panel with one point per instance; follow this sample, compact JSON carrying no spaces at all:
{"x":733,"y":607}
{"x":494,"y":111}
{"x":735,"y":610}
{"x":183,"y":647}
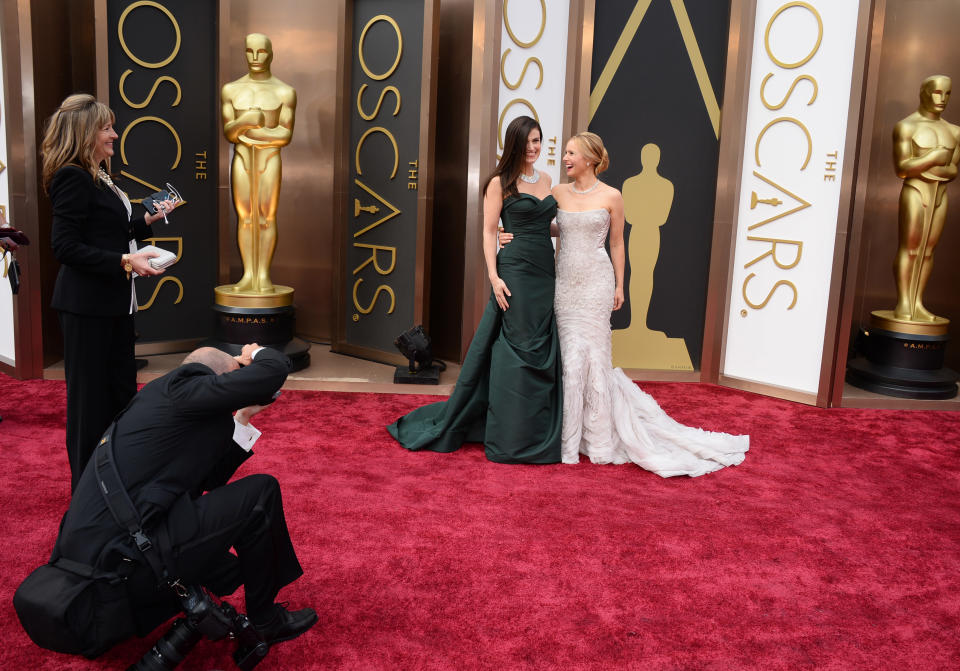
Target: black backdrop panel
{"x":163,"y":90}
{"x":654,"y":97}
{"x":381,"y":245}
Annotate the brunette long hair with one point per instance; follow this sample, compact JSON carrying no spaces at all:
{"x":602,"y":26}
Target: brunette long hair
{"x":71,"y":135}
{"x":512,"y":159}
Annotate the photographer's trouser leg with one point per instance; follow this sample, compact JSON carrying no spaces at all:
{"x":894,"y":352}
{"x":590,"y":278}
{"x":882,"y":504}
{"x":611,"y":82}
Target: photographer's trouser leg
{"x":246,"y":515}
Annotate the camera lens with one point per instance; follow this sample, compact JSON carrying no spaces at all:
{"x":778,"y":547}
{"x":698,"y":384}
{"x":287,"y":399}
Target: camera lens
{"x":170,"y":649}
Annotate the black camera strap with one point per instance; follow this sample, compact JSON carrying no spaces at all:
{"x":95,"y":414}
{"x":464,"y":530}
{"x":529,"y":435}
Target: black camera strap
{"x":121,"y":506}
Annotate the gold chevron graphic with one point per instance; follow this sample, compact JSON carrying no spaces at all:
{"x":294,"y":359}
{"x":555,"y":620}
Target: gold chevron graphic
{"x":693,"y":51}
{"x":616,"y":56}
{"x":699,"y":67}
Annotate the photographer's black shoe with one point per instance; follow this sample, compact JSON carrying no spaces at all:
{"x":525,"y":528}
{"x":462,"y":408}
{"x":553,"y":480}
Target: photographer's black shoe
{"x":286,"y":624}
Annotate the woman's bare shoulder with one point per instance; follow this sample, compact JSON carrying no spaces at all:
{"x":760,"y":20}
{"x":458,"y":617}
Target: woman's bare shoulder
{"x":612,"y":194}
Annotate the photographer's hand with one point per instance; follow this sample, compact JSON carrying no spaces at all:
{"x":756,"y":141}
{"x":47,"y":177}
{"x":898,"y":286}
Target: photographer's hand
{"x":245,"y":358}
{"x":244,"y":415}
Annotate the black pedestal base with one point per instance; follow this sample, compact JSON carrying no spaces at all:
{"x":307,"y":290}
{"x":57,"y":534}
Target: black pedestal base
{"x":903,"y":365}
{"x":270,"y":327}
{"x":426,"y":375}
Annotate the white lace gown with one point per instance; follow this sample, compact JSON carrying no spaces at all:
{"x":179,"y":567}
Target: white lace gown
{"x":606,"y":417}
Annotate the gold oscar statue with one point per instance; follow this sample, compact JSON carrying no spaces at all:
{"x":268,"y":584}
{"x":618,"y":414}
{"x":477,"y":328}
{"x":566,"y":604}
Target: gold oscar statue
{"x":926,"y":150}
{"x":258,"y":114}
{"x":647,"y":199}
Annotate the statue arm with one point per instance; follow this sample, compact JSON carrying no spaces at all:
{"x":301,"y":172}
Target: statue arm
{"x":907,"y":165}
{"x":950,"y":170}
{"x":281,"y":135}
{"x":235,"y":126}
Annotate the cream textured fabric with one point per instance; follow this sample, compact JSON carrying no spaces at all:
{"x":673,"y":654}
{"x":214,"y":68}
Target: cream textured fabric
{"x":606,"y":417}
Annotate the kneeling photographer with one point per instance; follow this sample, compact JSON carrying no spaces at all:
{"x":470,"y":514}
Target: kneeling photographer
{"x":174,"y":448}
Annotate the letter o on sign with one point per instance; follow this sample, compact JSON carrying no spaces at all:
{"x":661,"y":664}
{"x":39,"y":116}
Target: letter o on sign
{"x":813,"y":51}
{"x":123,"y":43}
{"x":363,"y":35}
{"x":513,"y":36}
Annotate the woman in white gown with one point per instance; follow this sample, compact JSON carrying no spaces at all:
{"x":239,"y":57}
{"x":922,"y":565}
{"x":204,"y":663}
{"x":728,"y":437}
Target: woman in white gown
{"x":606,"y":417}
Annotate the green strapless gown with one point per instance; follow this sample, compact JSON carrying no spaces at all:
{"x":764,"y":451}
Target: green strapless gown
{"x":509,"y":393}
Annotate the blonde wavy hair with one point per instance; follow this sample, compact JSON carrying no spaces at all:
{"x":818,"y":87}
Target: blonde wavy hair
{"x":70,"y":137}
{"x":593,"y":150}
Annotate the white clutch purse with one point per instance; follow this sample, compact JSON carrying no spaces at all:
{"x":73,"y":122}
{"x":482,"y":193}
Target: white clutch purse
{"x":165,"y":258}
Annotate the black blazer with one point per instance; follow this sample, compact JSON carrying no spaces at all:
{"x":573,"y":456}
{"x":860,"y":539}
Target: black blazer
{"x":173,"y":442}
{"x":91,"y":231}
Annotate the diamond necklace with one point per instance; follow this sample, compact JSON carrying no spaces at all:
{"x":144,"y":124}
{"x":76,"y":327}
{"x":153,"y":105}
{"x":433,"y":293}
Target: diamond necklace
{"x":104,"y":177}
{"x":533,"y":179}
{"x":576,"y":190}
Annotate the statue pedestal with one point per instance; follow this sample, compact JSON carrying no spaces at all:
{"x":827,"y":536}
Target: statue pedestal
{"x":903,"y":358}
{"x":266,"y":319}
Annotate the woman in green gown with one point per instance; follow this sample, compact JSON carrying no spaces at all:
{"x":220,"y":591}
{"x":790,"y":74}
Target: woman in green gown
{"x":509,"y":393}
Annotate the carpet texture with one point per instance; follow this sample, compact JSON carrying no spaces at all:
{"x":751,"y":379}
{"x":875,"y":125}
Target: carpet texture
{"x":835,"y":545}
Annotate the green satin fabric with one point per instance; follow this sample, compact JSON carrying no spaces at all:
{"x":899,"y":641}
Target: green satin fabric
{"x":509,"y":393}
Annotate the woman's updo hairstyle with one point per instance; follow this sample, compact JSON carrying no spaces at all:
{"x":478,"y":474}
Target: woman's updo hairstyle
{"x":593,"y":150}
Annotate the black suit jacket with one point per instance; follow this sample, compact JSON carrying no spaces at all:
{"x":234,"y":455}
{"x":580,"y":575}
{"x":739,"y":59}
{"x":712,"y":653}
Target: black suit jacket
{"x":173,"y":442}
{"x":90,"y":233}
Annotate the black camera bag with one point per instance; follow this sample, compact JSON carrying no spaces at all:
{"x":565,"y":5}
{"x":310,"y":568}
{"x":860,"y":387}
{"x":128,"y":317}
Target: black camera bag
{"x":69,"y":607}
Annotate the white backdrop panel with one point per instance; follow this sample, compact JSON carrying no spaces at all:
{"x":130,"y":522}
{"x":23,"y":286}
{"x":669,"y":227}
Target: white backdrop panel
{"x":790,"y":190}
{"x":534,"y":40}
{"x":7,"y":348}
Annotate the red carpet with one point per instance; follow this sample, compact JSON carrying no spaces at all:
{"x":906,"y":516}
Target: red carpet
{"x":835,"y":545}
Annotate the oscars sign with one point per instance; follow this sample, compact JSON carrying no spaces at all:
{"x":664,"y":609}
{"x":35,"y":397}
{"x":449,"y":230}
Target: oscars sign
{"x":158,"y":88}
{"x":533,"y":70}
{"x":790,"y":191}
{"x":383,"y":256}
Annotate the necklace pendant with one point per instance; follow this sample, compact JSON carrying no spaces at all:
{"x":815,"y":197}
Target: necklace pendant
{"x":532,"y":179}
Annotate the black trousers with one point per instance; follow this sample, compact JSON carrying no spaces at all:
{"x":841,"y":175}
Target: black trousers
{"x":101,"y":378}
{"x":246,"y":515}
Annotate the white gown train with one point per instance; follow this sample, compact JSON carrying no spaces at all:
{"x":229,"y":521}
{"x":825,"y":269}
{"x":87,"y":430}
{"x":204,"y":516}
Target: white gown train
{"x":606,"y":417}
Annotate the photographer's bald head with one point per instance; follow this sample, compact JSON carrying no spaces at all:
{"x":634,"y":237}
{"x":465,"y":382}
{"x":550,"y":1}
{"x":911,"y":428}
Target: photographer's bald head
{"x":219,"y":361}
{"x":216,"y":360}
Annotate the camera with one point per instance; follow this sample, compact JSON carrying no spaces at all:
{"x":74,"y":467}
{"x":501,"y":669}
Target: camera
{"x":204,"y":617}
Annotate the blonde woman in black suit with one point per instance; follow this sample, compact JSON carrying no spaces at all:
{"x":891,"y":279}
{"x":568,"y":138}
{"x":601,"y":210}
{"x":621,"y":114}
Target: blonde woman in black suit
{"x":94,"y":238}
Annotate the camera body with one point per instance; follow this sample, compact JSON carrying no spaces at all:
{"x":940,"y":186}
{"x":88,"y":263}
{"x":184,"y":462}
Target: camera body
{"x":212,"y":620}
{"x":203,"y":616}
